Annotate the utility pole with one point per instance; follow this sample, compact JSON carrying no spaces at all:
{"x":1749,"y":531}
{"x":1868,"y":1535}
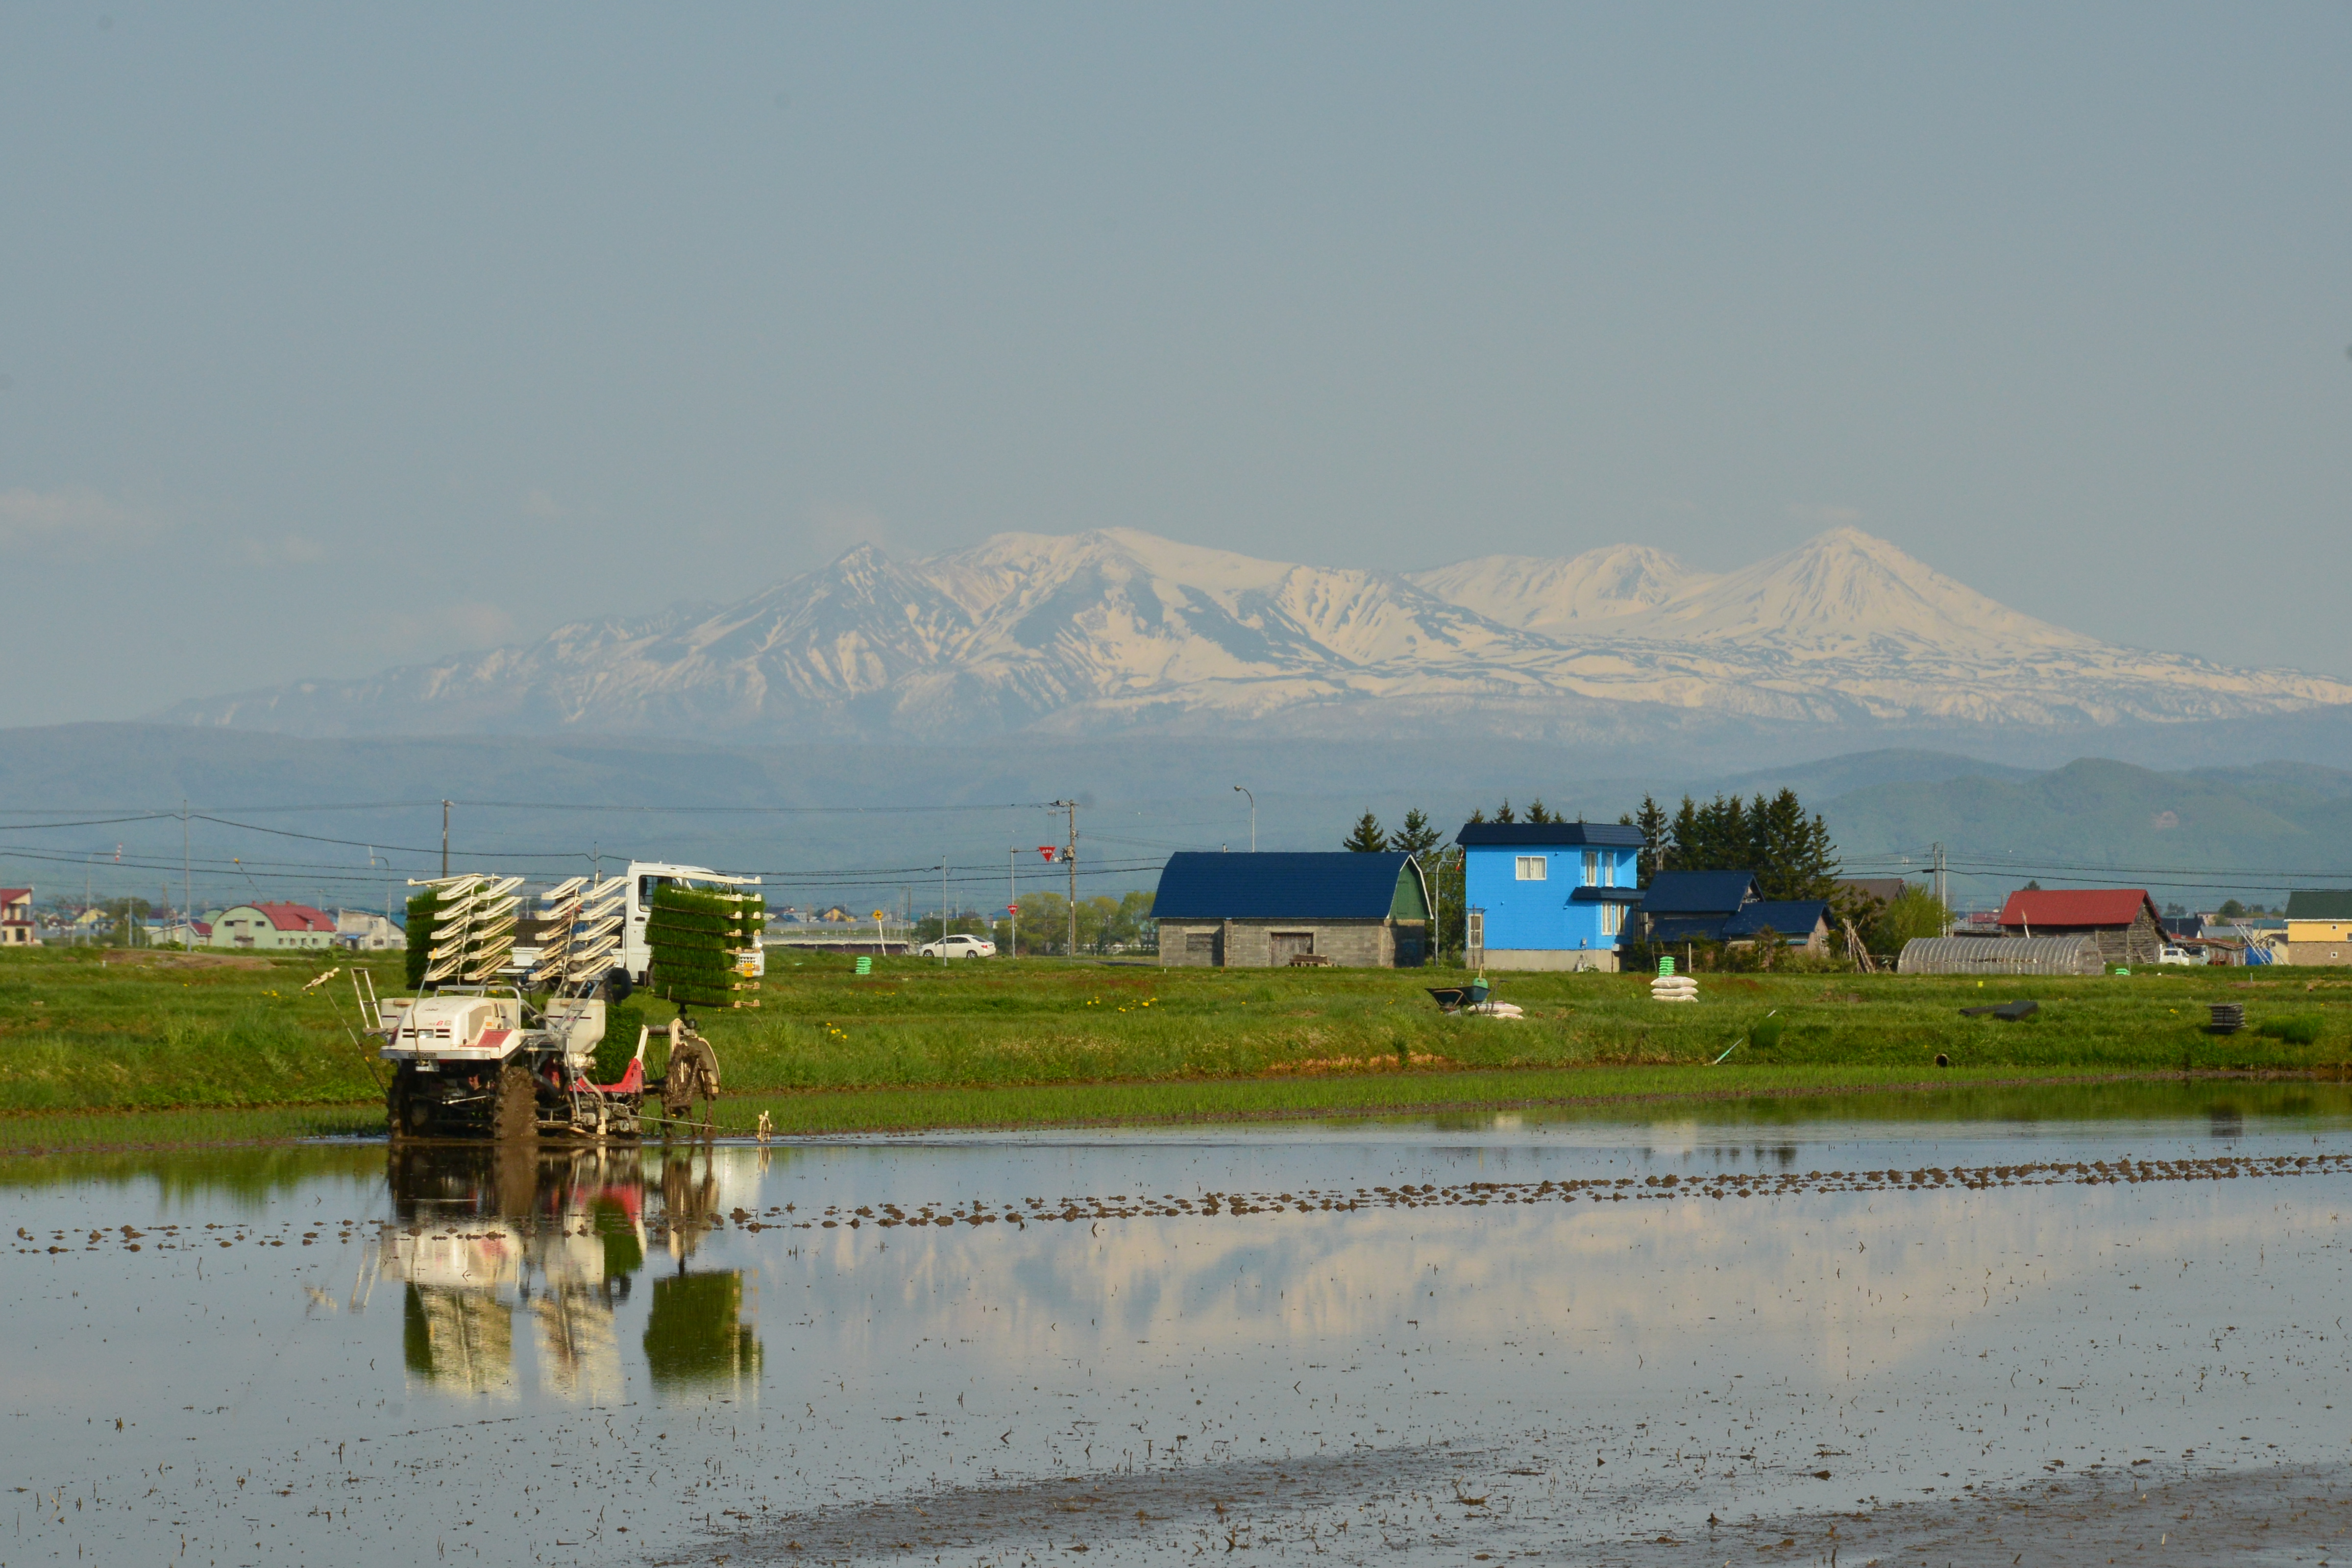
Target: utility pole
{"x":943,"y":914}
{"x":444,"y":837}
{"x":186,"y":897}
{"x":1013,"y":901}
{"x":1943,"y":889}
{"x":1070,"y":854}
{"x":1253,"y":799}
{"x":1437,"y":915}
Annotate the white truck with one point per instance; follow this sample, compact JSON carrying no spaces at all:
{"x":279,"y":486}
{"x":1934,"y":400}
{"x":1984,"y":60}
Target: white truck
{"x":632,"y":956}
{"x":645,"y":877}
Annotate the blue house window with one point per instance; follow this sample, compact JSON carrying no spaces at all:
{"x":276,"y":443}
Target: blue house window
{"x":1535,"y":867}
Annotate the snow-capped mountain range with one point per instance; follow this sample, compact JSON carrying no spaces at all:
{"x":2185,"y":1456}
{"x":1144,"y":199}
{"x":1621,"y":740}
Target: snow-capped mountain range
{"x":1120,"y":630}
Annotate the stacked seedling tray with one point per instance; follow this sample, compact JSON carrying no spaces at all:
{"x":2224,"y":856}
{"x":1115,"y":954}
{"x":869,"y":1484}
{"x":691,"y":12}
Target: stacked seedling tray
{"x":461,"y":930}
{"x":700,"y":940}
{"x":423,"y":911}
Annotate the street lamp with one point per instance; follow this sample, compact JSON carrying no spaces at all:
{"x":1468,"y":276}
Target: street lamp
{"x":1253,"y":799}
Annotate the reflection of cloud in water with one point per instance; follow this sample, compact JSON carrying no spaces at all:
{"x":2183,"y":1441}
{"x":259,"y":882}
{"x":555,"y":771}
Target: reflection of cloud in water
{"x":1841,"y":1280}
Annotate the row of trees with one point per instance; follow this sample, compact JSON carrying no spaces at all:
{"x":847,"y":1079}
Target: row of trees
{"x":1418,"y":836}
{"x":1791,"y":851}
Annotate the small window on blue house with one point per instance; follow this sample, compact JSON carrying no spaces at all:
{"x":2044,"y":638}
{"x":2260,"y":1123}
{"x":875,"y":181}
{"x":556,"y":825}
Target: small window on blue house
{"x":1592,"y":867}
{"x":1534,"y":869}
{"x":1612,"y":919}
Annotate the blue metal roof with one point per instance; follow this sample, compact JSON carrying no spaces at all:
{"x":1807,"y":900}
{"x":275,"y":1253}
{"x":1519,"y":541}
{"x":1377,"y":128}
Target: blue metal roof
{"x":1792,"y":918}
{"x":1337,"y":885}
{"x":1699,"y":892}
{"x":1486,"y":833}
{"x":1691,"y":927}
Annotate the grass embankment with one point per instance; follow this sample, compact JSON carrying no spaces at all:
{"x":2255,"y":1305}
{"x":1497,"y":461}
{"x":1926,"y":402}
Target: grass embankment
{"x":987,"y":1043}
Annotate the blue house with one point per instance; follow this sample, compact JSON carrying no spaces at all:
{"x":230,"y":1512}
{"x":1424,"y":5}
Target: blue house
{"x":1550,"y":895}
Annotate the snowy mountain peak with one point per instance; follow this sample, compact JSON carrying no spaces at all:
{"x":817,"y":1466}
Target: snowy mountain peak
{"x":1845,"y":591}
{"x":1533,"y":593}
{"x":1119,"y":629}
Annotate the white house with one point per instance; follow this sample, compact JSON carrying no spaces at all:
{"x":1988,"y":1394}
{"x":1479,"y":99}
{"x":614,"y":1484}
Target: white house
{"x":364,"y":933}
{"x":17,"y":918}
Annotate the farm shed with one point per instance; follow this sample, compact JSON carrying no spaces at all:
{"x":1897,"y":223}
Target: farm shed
{"x":2319,"y":926}
{"x":271,"y":925}
{"x":1259,"y":911}
{"x":2000,"y":955}
{"x":1799,"y":922}
{"x":2123,"y":921}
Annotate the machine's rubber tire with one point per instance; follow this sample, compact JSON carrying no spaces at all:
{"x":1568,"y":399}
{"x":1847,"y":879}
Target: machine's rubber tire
{"x":617,"y":986}
{"x":514,"y":1115}
{"x":397,"y":1104}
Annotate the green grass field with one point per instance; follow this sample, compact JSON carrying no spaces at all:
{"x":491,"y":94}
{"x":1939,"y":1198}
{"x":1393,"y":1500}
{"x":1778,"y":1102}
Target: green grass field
{"x":991,"y":1043}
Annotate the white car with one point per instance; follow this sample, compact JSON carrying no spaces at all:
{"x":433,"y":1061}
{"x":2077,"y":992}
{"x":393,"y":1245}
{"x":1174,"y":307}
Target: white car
{"x":2180,"y":955}
{"x":957,"y":946}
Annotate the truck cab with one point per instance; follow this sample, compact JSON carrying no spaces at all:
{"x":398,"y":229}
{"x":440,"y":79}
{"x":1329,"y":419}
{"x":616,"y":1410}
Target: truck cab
{"x":644,"y":878}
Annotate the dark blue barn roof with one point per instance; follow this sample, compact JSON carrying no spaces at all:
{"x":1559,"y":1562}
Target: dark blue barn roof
{"x":1792,"y":918}
{"x":1483,"y":834}
{"x":1699,"y":892}
{"x":1338,"y":885}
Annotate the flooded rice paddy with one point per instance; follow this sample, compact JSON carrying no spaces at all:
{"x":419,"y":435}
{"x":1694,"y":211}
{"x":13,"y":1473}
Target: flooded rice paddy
{"x":1893,"y":1333}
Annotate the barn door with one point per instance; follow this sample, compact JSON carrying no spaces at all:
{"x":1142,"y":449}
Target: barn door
{"x":1290,"y":944}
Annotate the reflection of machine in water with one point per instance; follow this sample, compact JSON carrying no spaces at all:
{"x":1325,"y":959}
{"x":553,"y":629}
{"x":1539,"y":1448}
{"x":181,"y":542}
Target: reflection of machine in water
{"x":696,"y":1332}
{"x":483,"y":1231}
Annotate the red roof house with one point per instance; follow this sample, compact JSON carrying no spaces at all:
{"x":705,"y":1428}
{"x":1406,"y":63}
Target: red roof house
{"x":297,"y":917}
{"x":16,"y":917}
{"x":2124,"y":921}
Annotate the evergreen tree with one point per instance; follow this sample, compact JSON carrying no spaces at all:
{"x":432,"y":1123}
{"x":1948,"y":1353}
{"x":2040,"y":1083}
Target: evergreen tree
{"x":1503,"y":813}
{"x":1417,"y":838}
{"x":1790,"y":852}
{"x":1683,"y":840}
{"x":1652,"y":820}
{"x":1539,"y":813}
{"x":1782,"y":847}
{"x":1368,"y":837}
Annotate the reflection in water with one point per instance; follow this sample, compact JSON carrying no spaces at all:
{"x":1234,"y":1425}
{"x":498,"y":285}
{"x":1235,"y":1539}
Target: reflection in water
{"x":696,"y":1335}
{"x":482,"y":1233}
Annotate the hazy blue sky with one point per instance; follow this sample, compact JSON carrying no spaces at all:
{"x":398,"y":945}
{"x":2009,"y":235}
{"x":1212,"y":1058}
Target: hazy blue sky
{"x":337,"y":336}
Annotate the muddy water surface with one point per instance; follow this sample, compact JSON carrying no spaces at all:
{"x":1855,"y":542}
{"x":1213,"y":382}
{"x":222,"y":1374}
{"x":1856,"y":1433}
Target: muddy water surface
{"x":2062,"y":1336}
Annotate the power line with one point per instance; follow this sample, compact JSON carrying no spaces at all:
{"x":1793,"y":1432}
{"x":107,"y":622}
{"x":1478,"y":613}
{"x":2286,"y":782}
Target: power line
{"x":617,"y":808}
{"x":755,"y":810}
